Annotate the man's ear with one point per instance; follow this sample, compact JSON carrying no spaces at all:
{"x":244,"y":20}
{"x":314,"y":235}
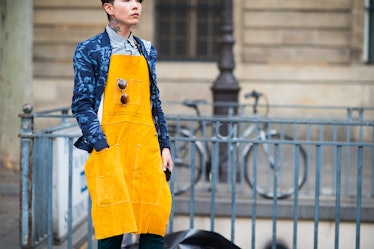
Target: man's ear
{"x":108,"y":8}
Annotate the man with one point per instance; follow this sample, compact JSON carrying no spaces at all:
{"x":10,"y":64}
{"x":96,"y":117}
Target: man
{"x":117,"y":106}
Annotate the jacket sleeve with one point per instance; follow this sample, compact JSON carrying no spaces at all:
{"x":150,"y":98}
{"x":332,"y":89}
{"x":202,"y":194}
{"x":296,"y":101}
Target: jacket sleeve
{"x":158,"y":113}
{"x":84,"y":100}
{"x":164,"y":139}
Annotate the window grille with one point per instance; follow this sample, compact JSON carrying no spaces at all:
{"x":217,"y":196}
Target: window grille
{"x":188,"y":29}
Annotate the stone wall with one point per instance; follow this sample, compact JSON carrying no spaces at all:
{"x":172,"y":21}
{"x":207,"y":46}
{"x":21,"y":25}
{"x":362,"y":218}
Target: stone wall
{"x":307,"y":32}
{"x":298,"y":52}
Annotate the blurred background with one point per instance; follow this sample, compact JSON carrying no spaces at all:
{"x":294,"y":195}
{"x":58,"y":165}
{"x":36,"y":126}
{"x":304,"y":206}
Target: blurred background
{"x":297,"y":52}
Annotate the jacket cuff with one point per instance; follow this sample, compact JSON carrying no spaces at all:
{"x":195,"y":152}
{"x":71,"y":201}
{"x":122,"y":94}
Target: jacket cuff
{"x":166,"y":144}
{"x":101,"y":145}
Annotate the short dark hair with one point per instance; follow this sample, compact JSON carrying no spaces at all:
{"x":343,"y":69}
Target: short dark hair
{"x":111,"y":1}
{"x":106,"y":1}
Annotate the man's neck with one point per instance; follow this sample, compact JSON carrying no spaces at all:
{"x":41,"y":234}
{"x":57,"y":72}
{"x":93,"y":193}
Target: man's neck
{"x":123,"y":31}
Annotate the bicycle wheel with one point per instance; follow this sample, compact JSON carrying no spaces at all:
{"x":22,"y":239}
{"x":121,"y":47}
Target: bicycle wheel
{"x":184,"y":159}
{"x":265,"y":163}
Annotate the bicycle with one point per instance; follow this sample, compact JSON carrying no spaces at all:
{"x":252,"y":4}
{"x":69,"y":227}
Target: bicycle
{"x":265,"y":161}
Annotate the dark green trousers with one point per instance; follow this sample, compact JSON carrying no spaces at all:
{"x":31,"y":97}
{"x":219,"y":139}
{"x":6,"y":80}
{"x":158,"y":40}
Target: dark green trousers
{"x":146,"y":241}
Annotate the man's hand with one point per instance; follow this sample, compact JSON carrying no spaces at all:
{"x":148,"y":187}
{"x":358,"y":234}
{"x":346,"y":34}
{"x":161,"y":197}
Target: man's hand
{"x":167,"y":161}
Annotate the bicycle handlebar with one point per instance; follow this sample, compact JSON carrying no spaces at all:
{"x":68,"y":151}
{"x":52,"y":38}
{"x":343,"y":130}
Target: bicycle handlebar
{"x":253,"y":94}
{"x":256,"y":95}
{"x":194,"y":104}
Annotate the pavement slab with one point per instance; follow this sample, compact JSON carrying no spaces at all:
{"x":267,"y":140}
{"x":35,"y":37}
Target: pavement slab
{"x":9,"y":217}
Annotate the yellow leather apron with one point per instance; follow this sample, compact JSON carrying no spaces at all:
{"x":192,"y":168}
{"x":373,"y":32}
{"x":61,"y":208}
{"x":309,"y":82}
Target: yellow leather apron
{"x":126,"y":182}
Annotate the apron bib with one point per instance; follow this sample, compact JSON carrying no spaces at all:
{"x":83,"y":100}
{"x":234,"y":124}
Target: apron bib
{"x":126,"y":183}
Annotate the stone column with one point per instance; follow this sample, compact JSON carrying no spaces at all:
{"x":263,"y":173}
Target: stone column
{"x":16,"y":40}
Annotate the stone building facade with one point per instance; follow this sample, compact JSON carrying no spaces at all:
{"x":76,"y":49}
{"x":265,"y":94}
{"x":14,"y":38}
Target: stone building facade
{"x":297,"y":52}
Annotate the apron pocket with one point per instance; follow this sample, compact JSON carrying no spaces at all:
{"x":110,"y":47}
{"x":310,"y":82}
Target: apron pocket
{"x":110,"y":180}
{"x":148,"y":175}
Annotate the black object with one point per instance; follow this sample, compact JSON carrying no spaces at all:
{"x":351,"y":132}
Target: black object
{"x":167,"y":174}
{"x":194,"y":239}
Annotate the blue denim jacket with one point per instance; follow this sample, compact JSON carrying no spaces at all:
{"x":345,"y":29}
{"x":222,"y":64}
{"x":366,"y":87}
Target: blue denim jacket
{"x":91,"y":63}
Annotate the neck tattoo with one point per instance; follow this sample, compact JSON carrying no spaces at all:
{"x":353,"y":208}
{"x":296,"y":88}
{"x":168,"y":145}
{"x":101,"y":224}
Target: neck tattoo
{"x":114,"y":24}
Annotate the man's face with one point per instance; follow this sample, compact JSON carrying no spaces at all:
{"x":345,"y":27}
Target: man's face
{"x":126,"y":12}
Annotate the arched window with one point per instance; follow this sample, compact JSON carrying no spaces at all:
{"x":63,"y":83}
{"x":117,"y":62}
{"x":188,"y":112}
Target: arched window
{"x":188,"y":29}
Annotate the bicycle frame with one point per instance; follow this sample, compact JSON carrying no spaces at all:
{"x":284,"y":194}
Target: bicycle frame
{"x":255,"y":131}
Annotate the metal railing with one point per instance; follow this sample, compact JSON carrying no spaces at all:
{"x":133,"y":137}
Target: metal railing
{"x":338,"y":171}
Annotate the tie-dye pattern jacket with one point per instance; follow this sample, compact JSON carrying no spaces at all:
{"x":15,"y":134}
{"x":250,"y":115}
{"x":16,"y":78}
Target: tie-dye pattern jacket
{"x":91,"y":63}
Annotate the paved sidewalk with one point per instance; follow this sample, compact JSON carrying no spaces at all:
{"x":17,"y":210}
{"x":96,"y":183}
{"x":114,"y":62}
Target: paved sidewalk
{"x":9,"y":209}
{"x":9,"y":215}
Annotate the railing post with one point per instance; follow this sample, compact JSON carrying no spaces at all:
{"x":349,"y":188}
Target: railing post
{"x":27,"y":129}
